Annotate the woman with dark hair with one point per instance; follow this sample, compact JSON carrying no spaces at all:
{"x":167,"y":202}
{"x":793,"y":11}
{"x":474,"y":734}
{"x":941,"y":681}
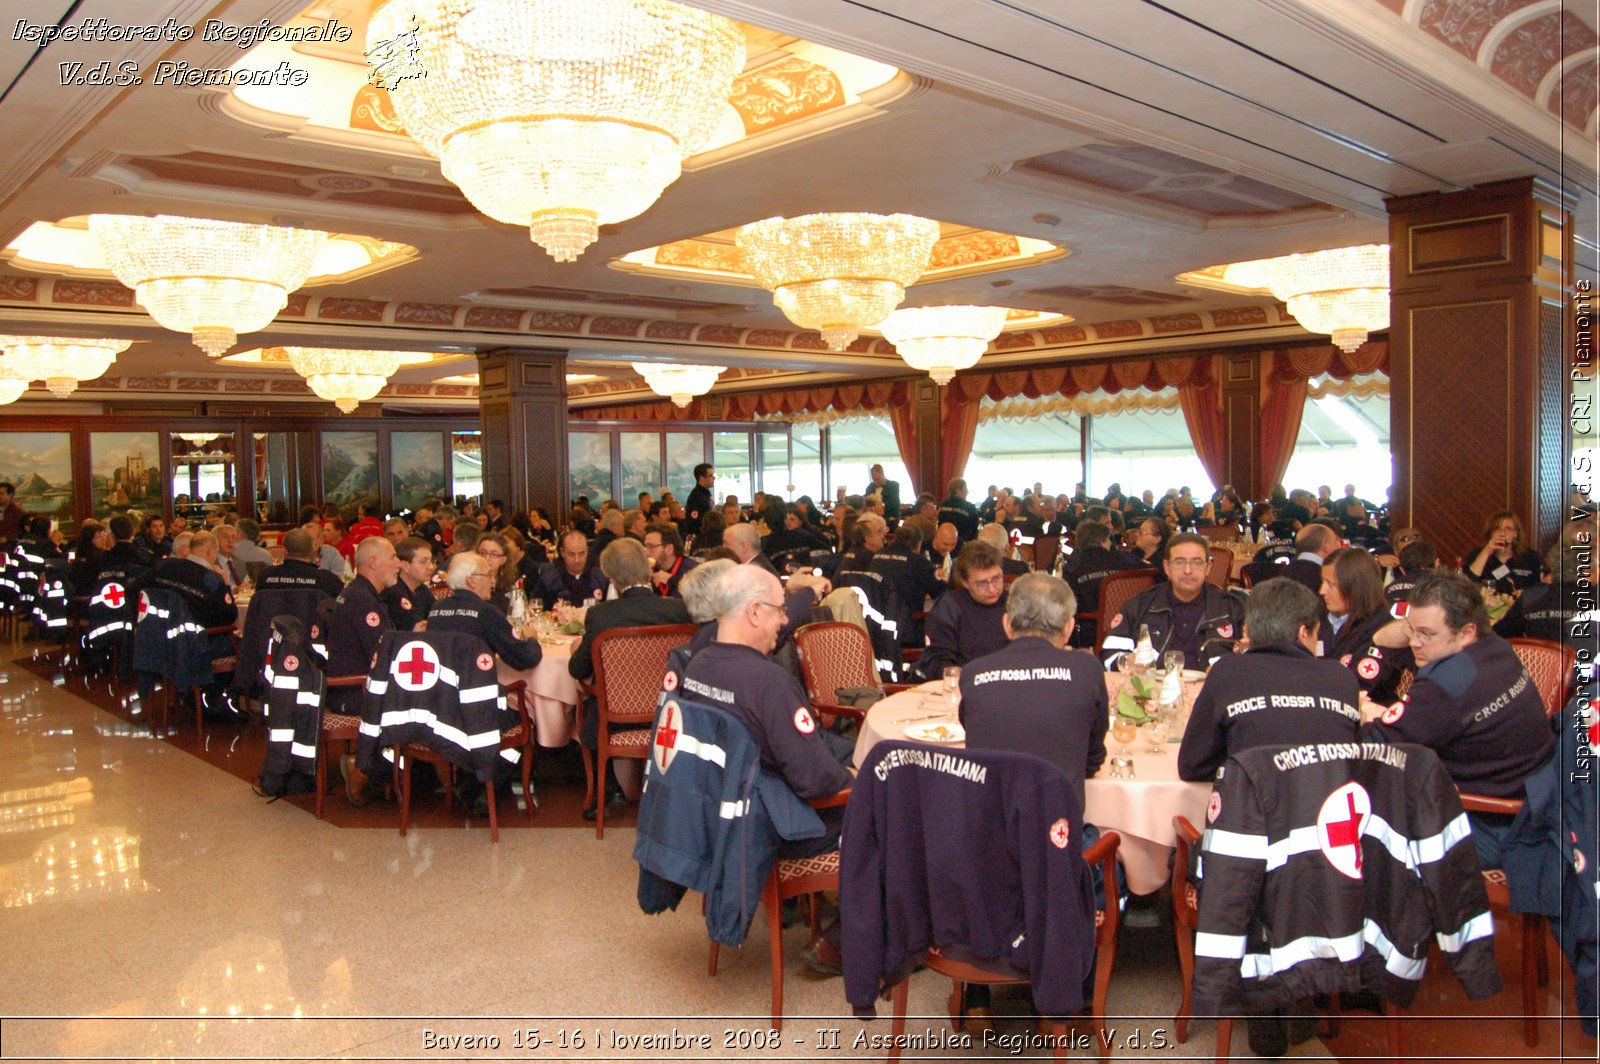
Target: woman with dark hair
{"x":496,"y":554}
{"x":712,"y":524}
{"x":88,"y":554}
{"x":1502,"y":562}
{"x":809,"y":511}
{"x":1352,"y":591}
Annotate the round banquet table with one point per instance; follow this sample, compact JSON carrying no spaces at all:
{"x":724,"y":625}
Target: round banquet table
{"x":554,"y":702}
{"x":1139,"y":809}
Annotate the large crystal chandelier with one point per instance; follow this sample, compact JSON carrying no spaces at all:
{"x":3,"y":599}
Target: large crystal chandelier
{"x":344,"y":377}
{"x":61,"y":363}
{"x":942,"y":340}
{"x":678,"y":381}
{"x":560,"y":115}
{"x":1341,"y":291}
{"x":837,"y":273}
{"x":207,"y":278}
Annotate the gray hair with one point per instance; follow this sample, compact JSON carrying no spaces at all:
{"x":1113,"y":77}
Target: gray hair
{"x":745,"y":584}
{"x":699,"y":588}
{"x":1040,"y":604}
{"x":996,"y":536}
{"x":249,"y":530}
{"x":462,"y":566}
{"x":1276,"y":610}
{"x":743,"y":534}
{"x":625,"y":564}
{"x":180,"y":544}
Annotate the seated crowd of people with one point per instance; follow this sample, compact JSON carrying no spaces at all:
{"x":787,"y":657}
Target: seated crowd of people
{"x":1362,"y":629}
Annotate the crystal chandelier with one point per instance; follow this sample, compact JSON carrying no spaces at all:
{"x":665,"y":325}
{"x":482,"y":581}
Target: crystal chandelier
{"x":343,"y":377}
{"x":60,"y":363}
{"x":207,"y":278}
{"x":198,"y":439}
{"x":1341,"y":291}
{"x":12,"y":384}
{"x":942,"y":340}
{"x":837,"y":273}
{"x":560,"y":115}
{"x":681,"y":382}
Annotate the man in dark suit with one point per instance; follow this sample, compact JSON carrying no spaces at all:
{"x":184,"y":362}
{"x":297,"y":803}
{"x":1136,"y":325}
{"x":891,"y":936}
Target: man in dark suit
{"x":626,"y":565}
{"x":888,"y":491}
{"x":699,"y":502}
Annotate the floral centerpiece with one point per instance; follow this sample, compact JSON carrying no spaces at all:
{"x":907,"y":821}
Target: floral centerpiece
{"x":570,"y":618}
{"x":1133,"y":701}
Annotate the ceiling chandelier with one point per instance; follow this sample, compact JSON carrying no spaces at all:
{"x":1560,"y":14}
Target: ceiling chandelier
{"x":60,"y":362}
{"x":942,"y":340}
{"x":678,"y":381}
{"x":12,"y":384}
{"x":207,"y":278}
{"x":560,"y":115}
{"x":837,"y":273}
{"x":344,"y":377}
{"x":1341,"y":291}
{"x":198,"y":439}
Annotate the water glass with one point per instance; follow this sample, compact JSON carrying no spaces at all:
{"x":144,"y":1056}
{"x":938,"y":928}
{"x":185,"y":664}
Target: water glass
{"x":1158,"y":731}
{"x":1173,"y":661}
{"x":1123,"y":731}
{"x":952,"y":685}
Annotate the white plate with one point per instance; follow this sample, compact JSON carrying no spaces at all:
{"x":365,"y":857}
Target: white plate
{"x":935,"y":732}
{"x":1193,"y":675}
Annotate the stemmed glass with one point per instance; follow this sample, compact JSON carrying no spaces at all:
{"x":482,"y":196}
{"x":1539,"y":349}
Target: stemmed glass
{"x":1123,"y":731}
{"x":1159,"y":730}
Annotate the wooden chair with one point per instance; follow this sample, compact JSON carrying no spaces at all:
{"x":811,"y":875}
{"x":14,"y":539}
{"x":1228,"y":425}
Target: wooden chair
{"x":1552,"y":669}
{"x":834,"y":655}
{"x":278,"y":553}
{"x":1107,"y":921}
{"x":1115,"y":592}
{"x":1186,"y":921}
{"x":628,"y":666}
{"x":1220,"y":571}
{"x":793,"y":878}
{"x":336,"y":728}
{"x":1045,"y":549}
{"x":1535,"y":966}
{"x":519,"y":737}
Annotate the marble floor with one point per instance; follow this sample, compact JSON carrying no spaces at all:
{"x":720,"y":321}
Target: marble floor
{"x":155,"y":908}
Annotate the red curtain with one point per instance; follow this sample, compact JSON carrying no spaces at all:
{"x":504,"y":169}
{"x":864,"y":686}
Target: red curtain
{"x":959,"y":427}
{"x":1280,"y":428}
{"x":1202,"y":412}
{"x":904,"y":421}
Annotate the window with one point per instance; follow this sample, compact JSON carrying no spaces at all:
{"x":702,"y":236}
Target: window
{"x":731,"y":457}
{"x":1144,"y":449}
{"x":807,"y":471}
{"x":775,"y":478}
{"x":1019,"y":452}
{"x":855,"y":445}
{"x":466,"y":465}
{"x":1344,"y":439}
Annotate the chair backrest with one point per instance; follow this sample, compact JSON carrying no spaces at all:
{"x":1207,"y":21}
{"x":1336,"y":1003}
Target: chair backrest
{"x":834,"y":654}
{"x":278,"y":553}
{"x":1025,"y":551}
{"x":1218,"y":533}
{"x":1045,"y":549}
{"x":628,"y":666}
{"x":1408,"y":676}
{"x":1220,"y":571}
{"x":1115,"y":591}
{"x":1550,"y":665}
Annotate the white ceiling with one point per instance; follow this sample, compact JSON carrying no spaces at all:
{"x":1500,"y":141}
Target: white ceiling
{"x":1322,"y":110}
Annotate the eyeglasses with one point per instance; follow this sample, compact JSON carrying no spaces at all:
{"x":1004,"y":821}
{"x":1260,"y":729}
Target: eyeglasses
{"x":491,"y":554}
{"x":1188,"y":563}
{"x":771,"y":605}
{"x":994,"y":581}
{"x":1423,"y":635}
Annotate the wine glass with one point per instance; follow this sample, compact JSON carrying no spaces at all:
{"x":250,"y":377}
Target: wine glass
{"x":1159,"y":730}
{"x":952,"y":685}
{"x":1123,"y":731}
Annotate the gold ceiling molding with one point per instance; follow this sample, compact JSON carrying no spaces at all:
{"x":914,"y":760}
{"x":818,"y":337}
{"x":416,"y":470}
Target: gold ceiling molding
{"x":67,"y":248}
{"x":1057,"y":333}
{"x":960,"y":251}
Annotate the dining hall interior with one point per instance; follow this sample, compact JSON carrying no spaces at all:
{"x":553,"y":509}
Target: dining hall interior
{"x":321,"y":268}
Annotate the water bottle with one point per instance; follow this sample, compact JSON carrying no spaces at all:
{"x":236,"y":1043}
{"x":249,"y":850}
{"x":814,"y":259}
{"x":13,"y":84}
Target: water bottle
{"x":1144,"y":651}
{"x":519,"y":604}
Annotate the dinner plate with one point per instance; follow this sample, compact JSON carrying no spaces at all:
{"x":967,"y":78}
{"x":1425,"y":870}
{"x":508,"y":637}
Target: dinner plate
{"x":935,"y":732}
{"x":1193,"y":675}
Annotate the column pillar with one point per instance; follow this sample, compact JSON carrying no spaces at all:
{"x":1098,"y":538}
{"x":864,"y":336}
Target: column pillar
{"x":522,"y":406}
{"x":1240,"y":387}
{"x":1478,"y":343}
{"x":926,"y":408}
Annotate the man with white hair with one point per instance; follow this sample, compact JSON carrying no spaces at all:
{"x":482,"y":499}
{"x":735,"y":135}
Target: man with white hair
{"x":248,"y":549}
{"x":471,"y":583}
{"x":180,"y":544}
{"x":997,"y":536}
{"x":745,"y":542}
{"x":227,"y":539}
{"x":326,"y":557}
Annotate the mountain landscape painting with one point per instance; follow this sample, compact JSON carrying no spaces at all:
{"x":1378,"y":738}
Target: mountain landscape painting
{"x":350,"y":468}
{"x":416,"y":468}
{"x":589,"y":465}
{"x":40,"y":465}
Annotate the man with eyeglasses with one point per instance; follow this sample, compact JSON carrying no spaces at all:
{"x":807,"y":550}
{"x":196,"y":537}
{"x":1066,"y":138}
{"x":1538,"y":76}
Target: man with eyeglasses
{"x":737,"y":674}
{"x":1185,"y":613}
{"x":668,"y":566}
{"x":471,"y":582}
{"x":1472,"y":702}
{"x":968,"y":621}
{"x":410,"y":599}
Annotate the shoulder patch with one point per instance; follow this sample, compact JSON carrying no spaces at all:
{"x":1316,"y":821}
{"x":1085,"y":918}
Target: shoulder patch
{"x":290,"y":663}
{"x":1344,"y":659}
{"x":1226,"y":631}
{"x":1368,"y":669}
{"x":669,"y":682}
{"x":485,"y":662}
{"x":1213,"y":808}
{"x":405,"y":604}
{"x":373,"y":619}
{"x":1393,"y":713}
{"x":803,"y":722}
{"x":1060,"y":834}
{"x":1116,"y":622}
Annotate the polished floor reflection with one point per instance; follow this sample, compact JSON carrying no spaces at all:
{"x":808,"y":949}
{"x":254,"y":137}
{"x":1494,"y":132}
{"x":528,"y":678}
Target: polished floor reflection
{"x":154,"y":906}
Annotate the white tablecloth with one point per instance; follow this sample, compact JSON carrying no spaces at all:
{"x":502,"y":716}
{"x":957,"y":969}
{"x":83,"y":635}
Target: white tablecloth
{"x":554,"y":702}
{"x":1140,"y":809}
